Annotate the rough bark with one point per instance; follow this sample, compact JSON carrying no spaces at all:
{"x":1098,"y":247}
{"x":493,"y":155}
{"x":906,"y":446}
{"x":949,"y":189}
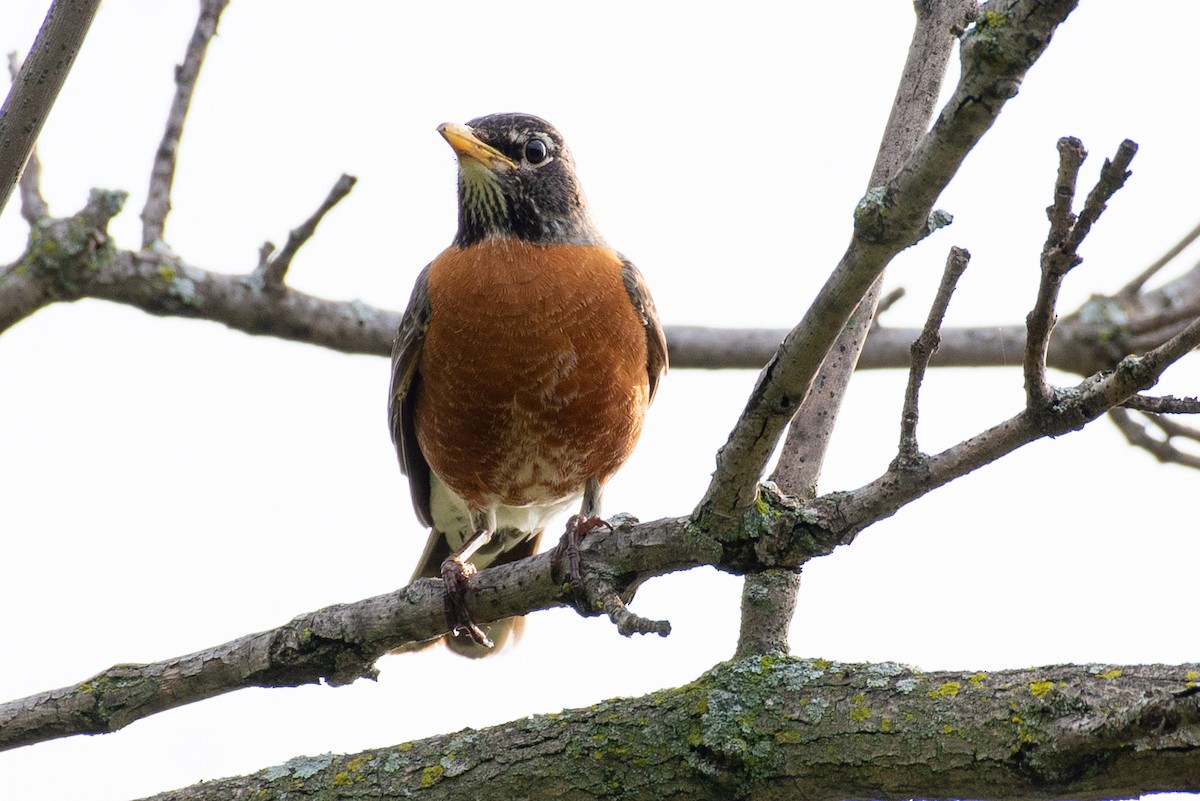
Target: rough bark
{"x":784,"y":728}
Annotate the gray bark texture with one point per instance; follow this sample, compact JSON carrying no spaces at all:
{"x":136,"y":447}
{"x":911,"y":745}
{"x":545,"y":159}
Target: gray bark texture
{"x":785,"y":728}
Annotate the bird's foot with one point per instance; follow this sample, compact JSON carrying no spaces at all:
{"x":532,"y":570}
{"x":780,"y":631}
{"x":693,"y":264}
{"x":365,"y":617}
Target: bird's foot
{"x":456,"y":576}
{"x":578,"y":527}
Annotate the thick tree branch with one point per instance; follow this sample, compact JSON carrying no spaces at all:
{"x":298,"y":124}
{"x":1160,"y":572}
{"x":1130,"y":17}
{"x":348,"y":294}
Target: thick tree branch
{"x":37,"y":85}
{"x":340,"y":643}
{"x":782,"y":728}
{"x":162,"y":174}
{"x":996,"y":52}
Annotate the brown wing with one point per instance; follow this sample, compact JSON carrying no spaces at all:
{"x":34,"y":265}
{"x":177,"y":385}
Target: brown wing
{"x":406,"y":354}
{"x":656,"y":341}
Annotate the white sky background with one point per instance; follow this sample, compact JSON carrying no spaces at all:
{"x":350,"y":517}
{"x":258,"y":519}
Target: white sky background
{"x":168,"y":485}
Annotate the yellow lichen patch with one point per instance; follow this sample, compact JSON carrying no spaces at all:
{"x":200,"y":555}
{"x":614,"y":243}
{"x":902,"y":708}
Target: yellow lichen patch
{"x":431,"y":774}
{"x":947,"y":729}
{"x":948,"y":689}
{"x":860,"y":711}
{"x":977,"y":679}
{"x":885,"y":725}
{"x":787,"y":737}
{"x":1040,"y":688}
{"x":1115,"y":673}
{"x":1191,"y":677}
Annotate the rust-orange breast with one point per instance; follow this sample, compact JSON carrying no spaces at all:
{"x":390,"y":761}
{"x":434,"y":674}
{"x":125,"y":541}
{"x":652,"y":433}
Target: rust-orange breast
{"x":533,"y":373}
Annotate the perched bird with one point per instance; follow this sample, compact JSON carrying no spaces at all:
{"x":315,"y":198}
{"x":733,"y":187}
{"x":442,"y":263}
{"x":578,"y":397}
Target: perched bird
{"x":523,"y":365}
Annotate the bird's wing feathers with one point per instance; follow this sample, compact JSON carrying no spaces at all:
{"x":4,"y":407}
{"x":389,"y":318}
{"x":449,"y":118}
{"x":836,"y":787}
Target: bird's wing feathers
{"x":656,"y":341}
{"x":406,"y":353}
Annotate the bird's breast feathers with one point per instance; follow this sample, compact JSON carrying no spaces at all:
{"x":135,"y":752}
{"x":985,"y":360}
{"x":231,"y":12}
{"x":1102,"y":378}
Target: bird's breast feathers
{"x":533,"y":372}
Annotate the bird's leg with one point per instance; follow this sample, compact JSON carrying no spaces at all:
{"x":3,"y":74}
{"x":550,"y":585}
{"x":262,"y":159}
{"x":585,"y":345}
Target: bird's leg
{"x":456,"y":572}
{"x":578,"y":527}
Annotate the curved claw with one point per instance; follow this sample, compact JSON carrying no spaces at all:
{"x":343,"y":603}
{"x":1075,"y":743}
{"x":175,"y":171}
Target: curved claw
{"x":456,"y":576}
{"x":578,"y":527}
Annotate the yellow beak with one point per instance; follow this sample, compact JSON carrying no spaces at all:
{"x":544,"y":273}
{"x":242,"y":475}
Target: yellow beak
{"x":467,"y":145}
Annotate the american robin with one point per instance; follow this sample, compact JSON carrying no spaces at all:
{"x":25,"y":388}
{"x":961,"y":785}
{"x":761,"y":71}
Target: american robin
{"x":523,"y":365}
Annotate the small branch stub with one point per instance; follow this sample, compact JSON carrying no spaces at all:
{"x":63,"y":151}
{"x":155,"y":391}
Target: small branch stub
{"x":273,"y":271}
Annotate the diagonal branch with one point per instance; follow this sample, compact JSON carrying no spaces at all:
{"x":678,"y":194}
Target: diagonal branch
{"x":36,"y":87}
{"x":996,"y":52}
{"x":923,"y":349}
{"x":162,"y":173}
{"x":273,"y":271}
{"x":1131,"y":289}
{"x":769,"y":599}
{"x":1161,"y":449}
{"x":33,"y":206}
{"x":340,"y":643}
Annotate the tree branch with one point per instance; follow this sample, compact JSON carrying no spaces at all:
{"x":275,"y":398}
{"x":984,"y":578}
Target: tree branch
{"x":759,"y":728}
{"x":33,"y":206}
{"x":769,"y":599}
{"x":996,"y":52}
{"x":1061,"y":251}
{"x":162,"y":174}
{"x":37,"y":85}
{"x":340,"y":643}
{"x":273,"y":271}
{"x":923,"y":349}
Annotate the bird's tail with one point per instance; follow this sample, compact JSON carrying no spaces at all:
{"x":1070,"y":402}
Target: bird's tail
{"x":506,"y":546}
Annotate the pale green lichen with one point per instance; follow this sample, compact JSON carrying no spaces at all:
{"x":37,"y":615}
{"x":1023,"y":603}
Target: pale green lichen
{"x":304,"y":767}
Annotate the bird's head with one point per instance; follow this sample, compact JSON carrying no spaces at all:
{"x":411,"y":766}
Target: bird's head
{"x":516,"y":179}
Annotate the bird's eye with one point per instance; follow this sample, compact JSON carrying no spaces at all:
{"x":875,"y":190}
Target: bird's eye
{"x":536,"y":151}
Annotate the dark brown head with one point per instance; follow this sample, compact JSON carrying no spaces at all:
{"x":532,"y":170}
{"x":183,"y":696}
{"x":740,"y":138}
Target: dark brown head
{"x":516,"y":179}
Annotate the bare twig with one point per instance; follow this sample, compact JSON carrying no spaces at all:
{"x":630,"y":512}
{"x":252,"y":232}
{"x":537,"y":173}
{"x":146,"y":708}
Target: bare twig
{"x":33,"y":206}
{"x":627,"y":622}
{"x":273,"y":271}
{"x":1171,"y":428}
{"x":1135,"y":286}
{"x":996,"y":52}
{"x":1056,"y":261}
{"x":888,"y":301}
{"x":162,"y":174}
{"x":1061,"y":252}
{"x":1161,"y":449}
{"x":923,"y":348}
{"x":1167,"y":404}
{"x":37,"y":85}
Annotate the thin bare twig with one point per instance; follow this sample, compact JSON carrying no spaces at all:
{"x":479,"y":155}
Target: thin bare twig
{"x":1161,"y":449}
{"x":1134,"y":286}
{"x":1054,"y":264}
{"x":1167,"y":404}
{"x":1061,"y":252}
{"x":922,"y":350}
{"x":273,"y":271}
{"x":162,"y":173}
{"x":37,"y":85}
{"x":886,"y":302}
